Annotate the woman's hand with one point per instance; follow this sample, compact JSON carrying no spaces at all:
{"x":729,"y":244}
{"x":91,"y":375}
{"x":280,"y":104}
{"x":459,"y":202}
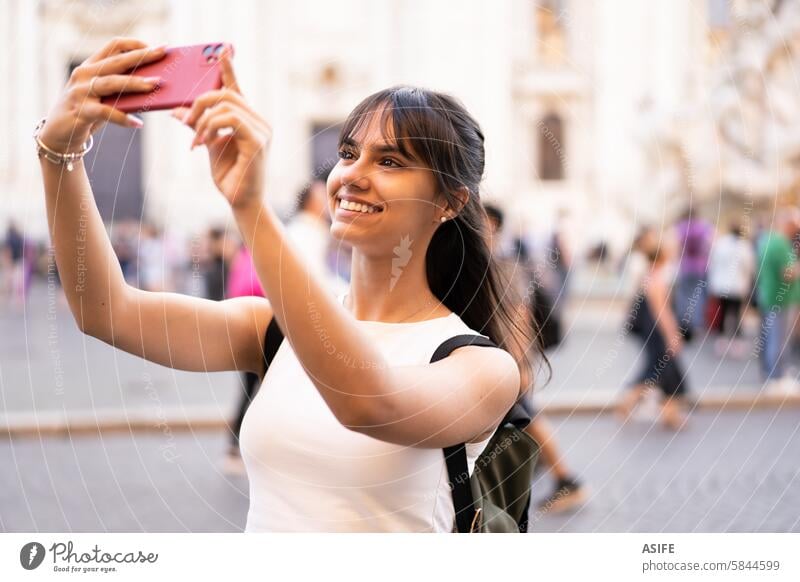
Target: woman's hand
{"x":237,"y":138}
{"x":79,"y":112}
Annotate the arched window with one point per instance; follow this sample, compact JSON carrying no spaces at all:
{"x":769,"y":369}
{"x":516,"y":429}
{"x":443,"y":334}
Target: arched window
{"x":552,"y":149}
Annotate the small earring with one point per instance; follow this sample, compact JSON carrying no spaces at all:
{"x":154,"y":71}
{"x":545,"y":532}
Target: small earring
{"x":442,"y":219}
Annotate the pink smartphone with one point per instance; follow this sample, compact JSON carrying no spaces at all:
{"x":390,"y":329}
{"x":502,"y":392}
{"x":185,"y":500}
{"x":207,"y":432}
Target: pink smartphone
{"x":186,"y":72}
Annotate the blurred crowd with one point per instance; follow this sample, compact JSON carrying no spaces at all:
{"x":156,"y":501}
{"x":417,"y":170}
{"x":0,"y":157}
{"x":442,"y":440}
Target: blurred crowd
{"x":717,"y":277}
{"x":720,"y":277}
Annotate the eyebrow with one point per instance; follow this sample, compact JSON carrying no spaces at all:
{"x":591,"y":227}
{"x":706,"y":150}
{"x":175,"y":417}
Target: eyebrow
{"x":380,"y":149}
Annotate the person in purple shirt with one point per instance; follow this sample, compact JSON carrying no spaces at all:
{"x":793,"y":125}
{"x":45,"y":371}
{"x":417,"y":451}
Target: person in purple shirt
{"x":695,"y":236}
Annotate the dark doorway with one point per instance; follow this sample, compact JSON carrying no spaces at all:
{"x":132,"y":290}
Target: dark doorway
{"x":114,"y":167}
{"x":552,"y":150}
{"x":324,"y":146}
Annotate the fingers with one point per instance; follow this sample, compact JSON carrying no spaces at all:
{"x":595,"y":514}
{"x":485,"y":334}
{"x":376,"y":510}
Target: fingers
{"x":113,"y":84}
{"x":97,"y":114}
{"x":124,"y":62}
{"x":115,"y":46}
{"x":211,"y":99}
{"x":225,"y":118}
{"x":180,"y":113}
{"x":215,"y":98}
{"x":202,"y":127}
{"x":228,"y":76}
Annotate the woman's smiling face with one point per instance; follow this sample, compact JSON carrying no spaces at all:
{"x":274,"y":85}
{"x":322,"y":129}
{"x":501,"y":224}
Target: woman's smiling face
{"x":378,"y":194}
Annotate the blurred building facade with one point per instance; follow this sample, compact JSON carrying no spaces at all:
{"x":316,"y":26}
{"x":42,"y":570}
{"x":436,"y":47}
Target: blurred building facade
{"x":736,"y":148}
{"x":564,"y":90}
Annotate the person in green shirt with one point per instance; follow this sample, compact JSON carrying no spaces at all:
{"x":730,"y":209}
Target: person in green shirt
{"x":777,"y":283}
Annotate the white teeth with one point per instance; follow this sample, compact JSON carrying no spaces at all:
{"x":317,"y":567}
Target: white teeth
{"x":357,"y":207}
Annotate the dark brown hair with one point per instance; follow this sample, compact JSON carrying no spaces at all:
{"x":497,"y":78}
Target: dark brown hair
{"x":461,"y":272}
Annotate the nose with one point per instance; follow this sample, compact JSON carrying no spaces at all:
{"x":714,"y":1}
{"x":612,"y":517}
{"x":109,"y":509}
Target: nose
{"x":355,"y":175}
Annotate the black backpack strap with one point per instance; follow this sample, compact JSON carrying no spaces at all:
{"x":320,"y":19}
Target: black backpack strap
{"x":458,"y":476}
{"x":272,"y":341}
{"x":456,"y":456}
{"x":519,"y":416}
{"x":460,"y":341}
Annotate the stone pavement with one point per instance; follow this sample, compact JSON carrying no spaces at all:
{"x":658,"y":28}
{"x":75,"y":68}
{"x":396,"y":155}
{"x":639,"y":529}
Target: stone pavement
{"x":729,"y":471}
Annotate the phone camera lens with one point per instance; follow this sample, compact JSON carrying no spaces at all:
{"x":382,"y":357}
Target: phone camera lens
{"x":218,"y":50}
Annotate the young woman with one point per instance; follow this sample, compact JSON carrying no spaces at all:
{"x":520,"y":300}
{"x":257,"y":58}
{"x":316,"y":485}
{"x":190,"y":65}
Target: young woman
{"x":731,"y":270}
{"x":652,"y":321}
{"x":346,"y":430}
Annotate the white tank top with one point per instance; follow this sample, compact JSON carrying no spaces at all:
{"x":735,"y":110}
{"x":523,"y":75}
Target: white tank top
{"x":308,"y":473}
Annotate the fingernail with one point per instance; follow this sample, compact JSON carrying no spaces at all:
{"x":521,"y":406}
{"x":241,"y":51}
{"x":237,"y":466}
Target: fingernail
{"x":152,"y":80}
{"x":159,"y":48}
{"x":135,"y":121}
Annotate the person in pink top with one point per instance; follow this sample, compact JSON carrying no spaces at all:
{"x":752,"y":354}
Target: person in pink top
{"x":242,"y":277}
{"x":242,"y":282}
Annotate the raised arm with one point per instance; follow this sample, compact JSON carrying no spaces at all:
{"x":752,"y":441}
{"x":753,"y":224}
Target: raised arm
{"x":174,"y":330}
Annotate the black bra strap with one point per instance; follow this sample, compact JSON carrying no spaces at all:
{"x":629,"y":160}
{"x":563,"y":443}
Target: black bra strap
{"x":272,"y":341}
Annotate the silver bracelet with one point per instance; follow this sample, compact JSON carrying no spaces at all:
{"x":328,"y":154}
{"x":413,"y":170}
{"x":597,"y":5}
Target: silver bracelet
{"x":56,"y":157}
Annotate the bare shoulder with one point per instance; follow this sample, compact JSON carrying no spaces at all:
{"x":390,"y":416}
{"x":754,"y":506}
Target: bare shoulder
{"x":257,"y":308}
{"x":491,"y":370}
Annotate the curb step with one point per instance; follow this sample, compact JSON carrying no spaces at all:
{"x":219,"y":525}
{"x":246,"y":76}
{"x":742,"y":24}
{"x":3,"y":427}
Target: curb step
{"x":190,"y":419}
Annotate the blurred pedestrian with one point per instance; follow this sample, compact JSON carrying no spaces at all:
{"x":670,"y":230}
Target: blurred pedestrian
{"x":123,"y":239}
{"x":794,"y":314}
{"x":778,"y":273}
{"x":543,"y":283}
{"x":216,"y":264}
{"x":153,"y":267}
{"x":560,"y":262}
{"x":242,"y":281}
{"x":568,"y":492}
{"x":731,"y":269}
{"x":652,"y":321}
{"x":695,"y":236}
{"x":21,"y":259}
{"x":309,"y":228}
{"x":6,"y":274}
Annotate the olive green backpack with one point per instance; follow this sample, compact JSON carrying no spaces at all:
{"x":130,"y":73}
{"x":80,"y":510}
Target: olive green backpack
{"x":496,"y":497}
